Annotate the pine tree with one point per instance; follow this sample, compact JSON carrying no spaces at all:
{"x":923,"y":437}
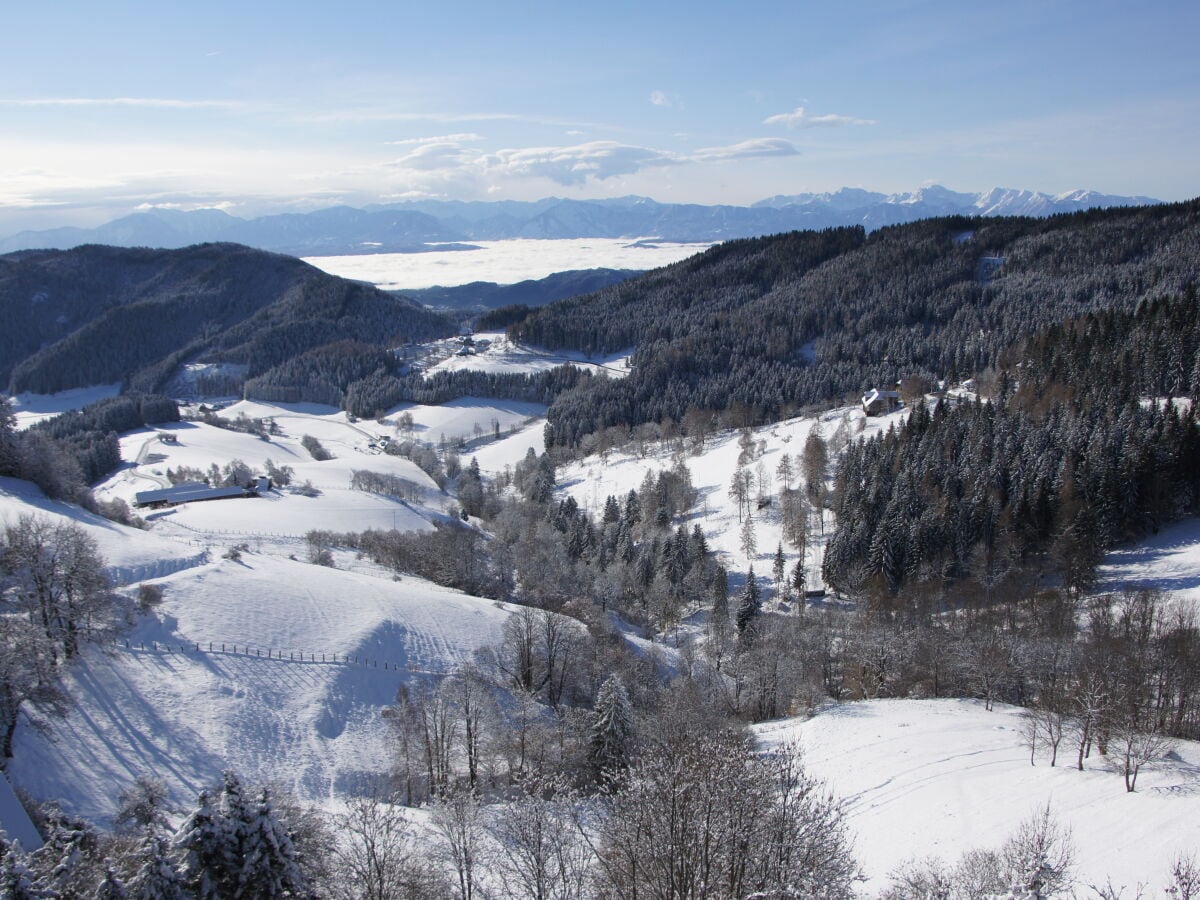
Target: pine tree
{"x":611,"y":736}
{"x":778,"y":568}
{"x":209,"y":863}
{"x":785,"y":473}
{"x":111,"y":887}
{"x":16,"y":881}
{"x":798,"y":582}
{"x":156,"y":877}
{"x":720,"y":591}
{"x":748,"y":605}
{"x":749,"y":540}
{"x":270,"y":866}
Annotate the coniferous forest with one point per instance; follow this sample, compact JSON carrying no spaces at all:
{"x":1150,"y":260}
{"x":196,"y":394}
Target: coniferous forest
{"x":759,"y":328}
{"x":1078,"y":448}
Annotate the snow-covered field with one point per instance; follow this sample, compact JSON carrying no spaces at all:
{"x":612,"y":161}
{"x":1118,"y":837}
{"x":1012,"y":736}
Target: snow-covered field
{"x":504,"y":262}
{"x":939,"y":777}
{"x":496,"y":354}
{"x":132,"y":555}
{"x":31,"y":408}
{"x":184,"y":716}
{"x":1169,"y":561}
{"x":281,"y":512}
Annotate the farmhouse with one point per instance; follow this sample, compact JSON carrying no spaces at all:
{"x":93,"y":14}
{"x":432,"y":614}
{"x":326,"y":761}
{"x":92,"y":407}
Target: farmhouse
{"x":877,"y":403}
{"x":197,"y":491}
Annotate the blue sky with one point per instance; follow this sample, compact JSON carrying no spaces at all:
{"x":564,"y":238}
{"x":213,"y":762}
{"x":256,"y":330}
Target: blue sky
{"x":260,"y":107}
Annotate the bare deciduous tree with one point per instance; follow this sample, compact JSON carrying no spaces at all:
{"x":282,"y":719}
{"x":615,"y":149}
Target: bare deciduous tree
{"x":457,"y":820}
{"x":539,"y":852}
{"x":376,"y":857}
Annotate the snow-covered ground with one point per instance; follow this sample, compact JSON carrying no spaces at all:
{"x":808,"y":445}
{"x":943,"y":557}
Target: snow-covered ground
{"x":184,"y":716}
{"x":14,"y":821}
{"x":1169,"y":561}
{"x":593,"y":479}
{"x":132,"y":555}
{"x":282,"y":512}
{"x":469,"y":418}
{"x":504,"y":262}
{"x":939,"y":777}
{"x":509,"y":450}
{"x":922,"y":777}
{"x":31,"y":408}
{"x":496,"y":354}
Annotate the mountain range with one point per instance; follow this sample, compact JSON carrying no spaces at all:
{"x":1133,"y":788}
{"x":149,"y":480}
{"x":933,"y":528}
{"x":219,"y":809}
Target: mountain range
{"x":413,"y":225}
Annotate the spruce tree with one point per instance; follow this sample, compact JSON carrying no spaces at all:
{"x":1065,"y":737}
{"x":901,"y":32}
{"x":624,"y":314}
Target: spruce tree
{"x":156,"y":877}
{"x":270,"y":865}
{"x":111,"y":887}
{"x":16,"y":881}
{"x":720,"y":592}
{"x":611,"y":736}
{"x":208,"y":848}
{"x":748,"y":605}
{"x":798,"y":582}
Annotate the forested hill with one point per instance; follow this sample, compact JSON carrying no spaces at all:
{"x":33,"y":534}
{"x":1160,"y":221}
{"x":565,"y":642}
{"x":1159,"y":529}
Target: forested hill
{"x":1077,"y":450}
{"x":766,"y":325}
{"x":98,"y":315}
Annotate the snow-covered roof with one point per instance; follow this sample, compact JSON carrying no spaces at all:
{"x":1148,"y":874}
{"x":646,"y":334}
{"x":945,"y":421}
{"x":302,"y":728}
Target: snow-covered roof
{"x":875,"y":394}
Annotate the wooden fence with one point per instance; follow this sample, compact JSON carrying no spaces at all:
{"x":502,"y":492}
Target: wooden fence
{"x":308,"y":657}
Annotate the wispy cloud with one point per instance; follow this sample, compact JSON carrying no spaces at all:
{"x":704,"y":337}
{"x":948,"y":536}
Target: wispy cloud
{"x":464,"y":138}
{"x":433,"y":157}
{"x":148,"y":102}
{"x":662,"y":98}
{"x":751,"y":149}
{"x":595,"y":160}
{"x":571,"y":165}
{"x":800,"y":118}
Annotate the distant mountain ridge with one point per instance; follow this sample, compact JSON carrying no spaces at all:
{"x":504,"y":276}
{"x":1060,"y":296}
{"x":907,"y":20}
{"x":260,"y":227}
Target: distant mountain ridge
{"x":412,"y":225}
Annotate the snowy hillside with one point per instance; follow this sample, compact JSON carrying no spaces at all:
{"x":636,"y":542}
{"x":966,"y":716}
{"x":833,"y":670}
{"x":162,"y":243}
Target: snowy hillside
{"x":132,"y":555}
{"x":283,"y":511}
{"x":593,"y":479}
{"x":496,"y":354}
{"x":311,"y":725}
{"x":939,"y":777}
{"x":31,"y":408}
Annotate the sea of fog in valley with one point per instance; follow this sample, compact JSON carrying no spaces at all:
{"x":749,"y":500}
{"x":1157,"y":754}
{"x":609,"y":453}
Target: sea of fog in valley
{"x":503,"y":262}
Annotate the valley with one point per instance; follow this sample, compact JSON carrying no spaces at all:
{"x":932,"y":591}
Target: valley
{"x":457,"y":565}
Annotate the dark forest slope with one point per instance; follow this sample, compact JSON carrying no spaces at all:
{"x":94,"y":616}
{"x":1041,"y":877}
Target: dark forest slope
{"x":97,"y":315}
{"x":771,"y":324}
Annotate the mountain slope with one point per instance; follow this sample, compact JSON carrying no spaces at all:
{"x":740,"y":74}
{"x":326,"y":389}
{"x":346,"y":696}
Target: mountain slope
{"x":98,"y":315}
{"x":768,"y":324}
